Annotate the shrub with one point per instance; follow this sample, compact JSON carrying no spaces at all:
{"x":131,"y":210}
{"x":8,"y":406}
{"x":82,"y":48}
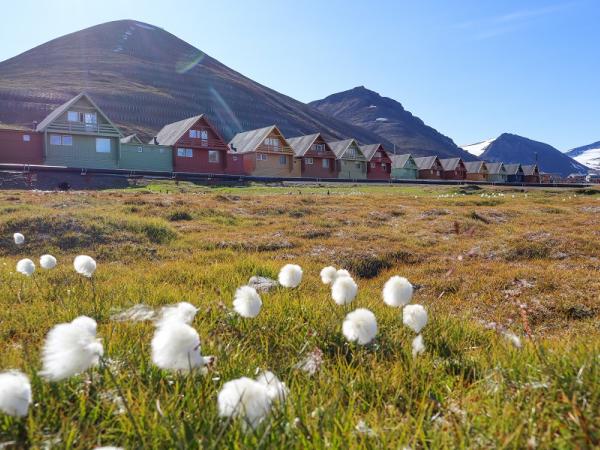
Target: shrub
{"x":180,"y":215}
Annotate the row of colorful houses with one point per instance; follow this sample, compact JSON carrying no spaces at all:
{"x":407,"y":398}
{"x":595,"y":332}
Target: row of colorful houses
{"x":79,"y":134}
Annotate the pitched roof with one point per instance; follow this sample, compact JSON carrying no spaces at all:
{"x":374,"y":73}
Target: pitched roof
{"x":475,"y":166}
{"x":131,"y":139}
{"x":425,"y":162}
{"x":55,"y":114}
{"x":512,"y":169}
{"x":450,"y":163}
{"x":369,"y":150}
{"x":399,"y":161}
{"x":495,"y":168}
{"x":172,"y":132}
{"x":301,"y":144}
{"x":340,"y":147}
{"x":248,"y":141}
{"x":530,"y":170}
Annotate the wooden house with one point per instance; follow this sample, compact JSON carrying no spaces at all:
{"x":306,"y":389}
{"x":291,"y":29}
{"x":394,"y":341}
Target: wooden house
{"x":514,"y":173}
{"x":264,"y":153}
{"x":351,"y":163}
{"x":379,"y":164}
{"x":430,"y":168}
{"x":453,"y":169}
{"x":476,"y":170}
{"x":531,"y":174}
{"x":135,"y":155}
{"x":20,"y":146}
{"x":496,"y":172}
{"x":197,"y":145}
{"x":79,"y":134}
{"x":404,"y":167}
{"x":316,"y":158}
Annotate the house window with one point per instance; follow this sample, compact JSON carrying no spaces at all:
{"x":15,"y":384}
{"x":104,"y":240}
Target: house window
{"x":373,"y":165}
{"x":283,"y":160}
{"x":319,"y":148}
{"x":140,"y":149}
{"x":359,"y":165}
{"x":102,"y":145}
{"x":200,"y":134}
{"x":185,"y":153}
{"x":377,"y":154}
{"x":213,"y":156}
{"x":325,"y":164}
{"x":383,"y":166}
{"x":67,"y":140}
{"x":352,"y":152}
{"x":55,"y":139}
{"x":272,"y":142}
{"x":310,"y":161}
{"x":26,"y":138}
{"x":261,"y":157}
{"x":73,"y":116}
{"x":161,"y":150}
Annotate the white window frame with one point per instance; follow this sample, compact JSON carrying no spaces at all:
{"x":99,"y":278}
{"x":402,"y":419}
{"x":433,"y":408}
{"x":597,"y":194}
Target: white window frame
{"x":216,"y":158}
{"x":261,"y":157}
{"x":319,"y":148}
{"x":272,"y":142}
{"x":352,"y":152}
{"x":100,"y":145}
{"x":310,"y":161}
{"x":140,"y":149}
{"x":373,"y":165}
{"x":26,"y":137}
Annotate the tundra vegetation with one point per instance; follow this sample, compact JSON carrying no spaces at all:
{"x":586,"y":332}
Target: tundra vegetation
{"x":509,"y":358}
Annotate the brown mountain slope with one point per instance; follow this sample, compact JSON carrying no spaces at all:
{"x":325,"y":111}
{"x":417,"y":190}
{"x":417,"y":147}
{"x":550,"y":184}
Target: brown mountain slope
{"x":144,"y":77}
{"x":388,"y":118}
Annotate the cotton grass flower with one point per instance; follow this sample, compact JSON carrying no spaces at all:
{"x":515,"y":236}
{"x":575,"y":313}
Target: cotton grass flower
{"x":418,"y":346}
{"x":360,"y":326}
{"x":183,"y":312}
{"x":343,"y":290}
{"x":19,"y":238}
{"x":276,"y":389}
{"x":26,"y":267}
{"x":15,"y":393}
{"x":247,"y":302}
{"x":342,"y":273}
{"x":328,"y":274}
{"x":176,"y":346}
{"x":84,"y":265}
{"x":71,"y":348}
{"x":414,"y":317}
{"x":397,"y":292}
{"x":47,"y":262}
{"x":290,"y":275}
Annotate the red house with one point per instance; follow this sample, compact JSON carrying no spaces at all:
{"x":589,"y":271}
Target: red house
{"x":197,"y":146}
{"x":453,"y":169}
{"x":317,"y":158}
{"x":430,"y":168}
{"x":379,"y":164}
{"x":21,"y":147}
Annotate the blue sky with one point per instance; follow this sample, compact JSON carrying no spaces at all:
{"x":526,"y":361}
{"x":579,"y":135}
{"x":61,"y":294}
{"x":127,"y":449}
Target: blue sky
{"x":472,"y":69}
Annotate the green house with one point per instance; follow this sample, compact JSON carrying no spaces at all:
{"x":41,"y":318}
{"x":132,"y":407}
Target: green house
{"x":404,"y":167}
{"x":135,"y":155}
{"x":78,"y":134}
{"x":351,"y":161}
{"x":496,"y":172}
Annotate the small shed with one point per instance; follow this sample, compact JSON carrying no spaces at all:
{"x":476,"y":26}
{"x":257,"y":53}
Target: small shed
{"x":404,"y":167}
{"x":135,"y":155}
{"x":21,"y":146}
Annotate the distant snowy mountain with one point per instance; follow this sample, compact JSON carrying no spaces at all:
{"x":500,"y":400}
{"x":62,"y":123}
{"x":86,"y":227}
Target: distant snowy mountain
{"x":478,"y":148}
{"x":588,"y":155}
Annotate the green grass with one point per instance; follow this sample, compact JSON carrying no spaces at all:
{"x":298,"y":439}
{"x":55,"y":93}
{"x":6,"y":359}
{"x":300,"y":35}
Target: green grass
{"x":470,"y":389}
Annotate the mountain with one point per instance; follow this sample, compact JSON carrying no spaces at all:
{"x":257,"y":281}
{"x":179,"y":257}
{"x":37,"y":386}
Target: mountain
{"x":510,"y":148}
{"x":388,"y":118}
{"x":588,"y":155}
{"x":144,"y":77}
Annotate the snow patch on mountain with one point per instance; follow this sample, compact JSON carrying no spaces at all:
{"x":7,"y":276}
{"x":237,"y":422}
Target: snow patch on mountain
{"x":478,"y":148}
{"x":589,"y":157}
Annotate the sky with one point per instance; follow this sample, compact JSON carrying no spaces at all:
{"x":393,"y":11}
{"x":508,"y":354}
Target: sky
{"x":472,"y":69}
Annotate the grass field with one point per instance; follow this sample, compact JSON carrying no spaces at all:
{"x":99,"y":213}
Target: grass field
{"x":487,"y":263}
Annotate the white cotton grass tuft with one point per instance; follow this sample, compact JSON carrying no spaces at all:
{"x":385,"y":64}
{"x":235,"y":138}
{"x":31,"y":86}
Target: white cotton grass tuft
{"x":418,"y":346}
{"x":251,"y":400}
{"x":176,"y":346}
{"x":360,"y":326}
{"x":183,"y":312}
{"x":414,"y":317}
{"x":84,"y":265}
{"x":290,"y":276}
{"x":328,"y":274}
{"x":397,"y":292}
{"x":342,"y":273}
{"x":71,"y":348}
{"x":15,"y":393}
{"x":47,"y":262}
{"x":343,"y":290}
{"x":276,"y":389}
{"x":247,"y":302}
{"x":19,"y":238}
{"x":26,"y":267}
